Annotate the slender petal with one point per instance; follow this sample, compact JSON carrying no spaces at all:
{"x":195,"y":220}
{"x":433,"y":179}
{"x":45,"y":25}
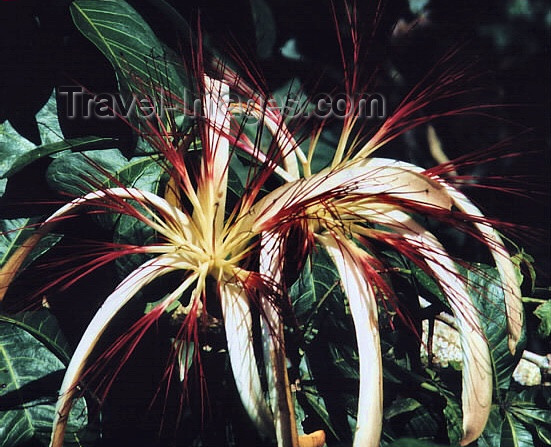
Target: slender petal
{"x":360,"y":178}
{"x":238,"y":326}
{"x":271,"y":264}
{"x":217,"y":156}
{"x":143,"y":275}
{"x":363,"y":307}
{"x":9,"y":270}
{"x":505,"y":267}
{"x":477,"y":371}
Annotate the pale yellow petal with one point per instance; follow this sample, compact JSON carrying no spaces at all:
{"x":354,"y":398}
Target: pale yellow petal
{"x":363,"y":308}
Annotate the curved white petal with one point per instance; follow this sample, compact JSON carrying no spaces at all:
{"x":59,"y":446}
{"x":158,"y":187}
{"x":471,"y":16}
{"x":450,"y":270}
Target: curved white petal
{"x":238,"y":326}
{"x":143,"y":275}
{"x":362,"y":178}
{"x":505,"y":268}
{"x":477,"y":370}
{"x":10,"y":268}
{"x":502,"y":259}
{"x":363,"y":307}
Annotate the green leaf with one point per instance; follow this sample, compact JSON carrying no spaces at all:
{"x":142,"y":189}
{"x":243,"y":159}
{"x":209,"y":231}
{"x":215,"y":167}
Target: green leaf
{"x":129,"y":44}
{"x":317,"y":284}
{"x":146,"y":174}
{"x":543,"y":312}
{"x":521,"y":258}
{"x":487,"y":292}
{"x":16,"y":152}
{"x":452,"y":412}
{"x":30,"y":373}
{"x":400,"y":406}
{"x":520,"y":421}
{"x":43,"y":326}
{"x":80,"y":173}
{"x":74,"y":144}
{"x":13,"y":232}
{"x":14,"y":147}
{"x":153,"y":304}
{"x":313,"y":400}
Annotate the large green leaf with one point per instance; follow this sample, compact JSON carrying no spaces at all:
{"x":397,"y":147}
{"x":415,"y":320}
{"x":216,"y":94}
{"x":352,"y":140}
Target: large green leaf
{"x":32,"y":357}
{"x":518,"y":422}
{"x":317,"y":286}
{"x":486,"y":290}
{"x":24,"y":159}
{"x":16,"y":151}
{"x":308,"y":396}
{"x":80,"y":173}
{"x":129,"y":44}
{"x":13,"y":232}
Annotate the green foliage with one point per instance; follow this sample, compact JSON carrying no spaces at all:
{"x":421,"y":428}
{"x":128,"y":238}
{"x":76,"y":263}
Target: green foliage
{"x":78,"y":174}
{"x":130,"y":45}
{"x":16,"y":152}
{"x":33,"y":355}
{"x":487,"y":292}
{"x":13,"y":232}
{"x":422,"y":402}
{"x":523,"y":420}
{"x":543,"y":312}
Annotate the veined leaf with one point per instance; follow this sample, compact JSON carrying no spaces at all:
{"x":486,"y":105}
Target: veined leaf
{"x":16,"y":151}
{"x":317,"y":286}
{"x":12,"y":144}
{"x":13,"y":232}
{"x":129,"y":44}
{"x":523,"y":420}
{"x":32,"y":356}
{"x":74,"y":144}
{"x":311,"y":394}
{"x":487,"y":292}
{"x":400,"y":406}
{"x":76,"y":173}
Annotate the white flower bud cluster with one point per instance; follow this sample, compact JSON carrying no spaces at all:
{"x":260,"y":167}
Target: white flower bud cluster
{"x":527,"y":373}
{"x":446,"y":348}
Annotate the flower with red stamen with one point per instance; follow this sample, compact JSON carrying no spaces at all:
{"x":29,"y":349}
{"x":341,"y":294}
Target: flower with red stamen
{"x":350,"y":208}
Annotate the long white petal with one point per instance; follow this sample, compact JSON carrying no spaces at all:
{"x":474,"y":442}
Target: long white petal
{"x":218,"y":119}
{"x":238,"y":326}
{"x":505,"y":267}
{"x":362,"y":178}
{"x":271,"y":265}
{"x":502,"y":259}
{"x":9,"y":270}
{"x":363,"y":308}
{"x":477,"y":370}
{"x":143,"y":275}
